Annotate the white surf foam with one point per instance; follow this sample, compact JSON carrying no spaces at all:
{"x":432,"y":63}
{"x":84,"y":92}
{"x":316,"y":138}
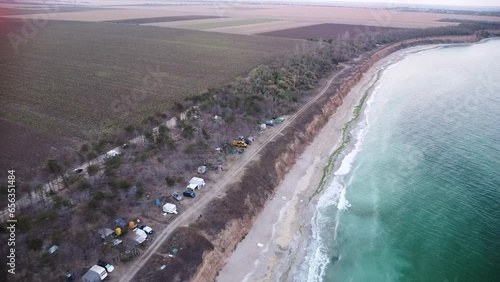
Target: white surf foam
{"x":317,"y":259}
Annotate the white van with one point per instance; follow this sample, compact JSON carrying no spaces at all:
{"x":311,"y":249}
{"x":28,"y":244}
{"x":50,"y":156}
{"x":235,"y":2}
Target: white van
{"x":196,"y":183}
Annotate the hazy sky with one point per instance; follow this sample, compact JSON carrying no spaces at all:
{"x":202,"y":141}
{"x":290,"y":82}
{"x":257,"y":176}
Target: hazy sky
{"x":439,"y":2}
{"x":402,"y":2}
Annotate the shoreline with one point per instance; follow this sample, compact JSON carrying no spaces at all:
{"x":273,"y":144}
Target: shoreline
{"x":288,"y":236}
{"x":298,"y":186}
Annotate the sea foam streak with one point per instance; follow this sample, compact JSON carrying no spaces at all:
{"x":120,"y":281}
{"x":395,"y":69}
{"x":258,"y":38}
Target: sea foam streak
{"x":334,"y":195}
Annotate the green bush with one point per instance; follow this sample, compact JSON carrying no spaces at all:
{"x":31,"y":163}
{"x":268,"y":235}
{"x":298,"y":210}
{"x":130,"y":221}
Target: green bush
{"x":149,"y":120}
{"x":92,"y":169}
{"x":149,"y":136}
{"x":23,"y":224}
{"x":162,"y":137}
{"x":178,"y":107}
{"x":60,"y":202}
{"x":129,"y":128}
{"x":189,"y":149}
{"x":170,"y":181}
{"x":85,"y":148}
{"x":49,"y":215}
{"x":205,"y":134}
{"x":84,"y":184}
{"x":171,"y":144}
{"x":96,"y":200}
{"x":101,"y":145}
{"x":53,"y":166}
{"x":123,"y":183}
{"x":91,"y":155}
{"x":113,"y":163}
{"x":161,"y":115}
{"x":187,"y":131}
{"x":139,"y":193}
{"x":72,"y":179}
{"x":34,"y":244}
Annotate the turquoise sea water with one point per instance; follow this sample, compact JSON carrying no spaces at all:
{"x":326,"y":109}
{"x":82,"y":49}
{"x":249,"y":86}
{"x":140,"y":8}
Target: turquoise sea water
{"x":417,"y":198}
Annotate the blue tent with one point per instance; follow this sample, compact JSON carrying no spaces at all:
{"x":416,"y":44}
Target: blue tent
{"x":120,"y":222}
{"x":157,"y":202}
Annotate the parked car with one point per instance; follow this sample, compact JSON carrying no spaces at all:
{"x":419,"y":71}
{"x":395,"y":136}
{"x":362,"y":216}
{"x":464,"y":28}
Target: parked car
{"x":147,"y":229}
{"x":116,"y":242}
{"x":109,"y":268}
{"x":189,"y":194}
{"x":270,"y":122}
{"x":78,"y":170}
{"x":176,"y":196}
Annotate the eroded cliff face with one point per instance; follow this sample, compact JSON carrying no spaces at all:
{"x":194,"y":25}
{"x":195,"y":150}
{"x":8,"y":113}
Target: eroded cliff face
{"x":279,"y":159}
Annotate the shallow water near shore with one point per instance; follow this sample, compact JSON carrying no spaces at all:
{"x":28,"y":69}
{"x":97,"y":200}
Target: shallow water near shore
{"x":417,"y":196}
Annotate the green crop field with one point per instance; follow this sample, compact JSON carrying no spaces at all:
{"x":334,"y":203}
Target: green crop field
{"x":77,"y":79}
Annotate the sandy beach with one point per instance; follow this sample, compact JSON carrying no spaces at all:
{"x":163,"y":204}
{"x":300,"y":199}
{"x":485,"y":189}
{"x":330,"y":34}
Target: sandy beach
{"x":275,"y":247}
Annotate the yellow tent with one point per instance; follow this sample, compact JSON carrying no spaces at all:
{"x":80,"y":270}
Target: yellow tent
{"x":131,"y":225}
{"x":118,"y":231}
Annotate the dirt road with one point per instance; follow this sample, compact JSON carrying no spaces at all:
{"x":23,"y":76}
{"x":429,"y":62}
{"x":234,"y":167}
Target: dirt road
{"x":209,"y":195}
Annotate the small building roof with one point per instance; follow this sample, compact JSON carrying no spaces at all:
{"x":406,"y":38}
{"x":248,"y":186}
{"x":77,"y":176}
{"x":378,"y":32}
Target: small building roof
{"x":196,"y":180}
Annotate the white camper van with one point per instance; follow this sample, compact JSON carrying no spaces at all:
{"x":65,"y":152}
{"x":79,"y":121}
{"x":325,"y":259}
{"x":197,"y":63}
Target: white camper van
{"x":196,"y":183}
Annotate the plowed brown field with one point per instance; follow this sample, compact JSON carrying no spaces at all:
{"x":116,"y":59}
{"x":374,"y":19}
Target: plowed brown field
{"x":326,"y":31}
{"x":78,"y":80}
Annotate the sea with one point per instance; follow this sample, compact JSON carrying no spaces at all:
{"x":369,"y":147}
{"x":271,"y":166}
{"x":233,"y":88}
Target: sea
{"x":415,"y":196}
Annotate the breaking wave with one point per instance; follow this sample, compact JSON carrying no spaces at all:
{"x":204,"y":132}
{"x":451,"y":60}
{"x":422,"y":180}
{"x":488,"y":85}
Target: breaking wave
{"x":333,"y":201}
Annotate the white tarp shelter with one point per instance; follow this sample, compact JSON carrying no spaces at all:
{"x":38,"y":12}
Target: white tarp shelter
{"x":199,"y":182}
{"x":105,"y":232}
{"x":140,"y":236}
{"x":112,"y":154}
{"x":170,"y":208}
